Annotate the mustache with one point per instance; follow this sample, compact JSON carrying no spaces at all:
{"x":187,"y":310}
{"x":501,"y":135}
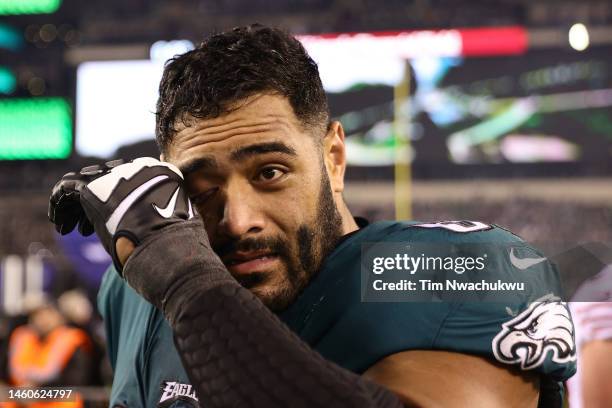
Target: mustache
{"x":271,"y":244}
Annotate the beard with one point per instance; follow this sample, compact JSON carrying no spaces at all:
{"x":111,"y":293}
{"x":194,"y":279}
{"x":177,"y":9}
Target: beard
{"x":312,"y":244}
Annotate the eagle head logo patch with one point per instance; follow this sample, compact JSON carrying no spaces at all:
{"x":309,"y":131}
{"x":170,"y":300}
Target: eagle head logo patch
{"x":544,"y":329}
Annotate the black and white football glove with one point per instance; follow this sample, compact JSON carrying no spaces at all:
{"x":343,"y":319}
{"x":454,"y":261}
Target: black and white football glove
{"x":131,"y":200}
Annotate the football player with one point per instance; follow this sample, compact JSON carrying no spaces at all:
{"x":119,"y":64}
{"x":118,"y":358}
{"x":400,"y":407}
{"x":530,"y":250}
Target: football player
{"x":592,"y":310}
{"x":261,"y":292}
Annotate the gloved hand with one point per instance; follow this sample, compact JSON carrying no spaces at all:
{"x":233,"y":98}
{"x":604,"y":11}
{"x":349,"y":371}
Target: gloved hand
{"x":132,"y":200}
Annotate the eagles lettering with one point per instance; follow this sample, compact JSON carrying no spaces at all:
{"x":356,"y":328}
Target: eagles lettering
{"x":173,"y":391}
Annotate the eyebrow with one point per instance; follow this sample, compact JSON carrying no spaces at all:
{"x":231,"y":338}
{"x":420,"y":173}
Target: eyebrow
{"x":201,"y":163}
{"x":261,"y":148}
{"x":209,"y":162}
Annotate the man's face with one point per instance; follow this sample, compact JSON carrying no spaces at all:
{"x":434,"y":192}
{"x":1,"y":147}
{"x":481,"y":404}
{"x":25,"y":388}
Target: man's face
{"x":258,"y":180}
{"x":45,"y":319}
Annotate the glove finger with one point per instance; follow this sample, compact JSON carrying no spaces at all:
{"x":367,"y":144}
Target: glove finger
{"x":65,"y":209}
{"x":92,"y":172}
{"x":68,"y":205}
{"x":114,"y":163}
{"x":64,"y":192}
{"x":58,"y":191}
{"x":85,"y":227}
{"x":66,"y":226}
{"x":66,"y":213}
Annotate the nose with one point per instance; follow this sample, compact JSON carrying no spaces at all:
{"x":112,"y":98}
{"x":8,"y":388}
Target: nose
{"x":242,"y":212}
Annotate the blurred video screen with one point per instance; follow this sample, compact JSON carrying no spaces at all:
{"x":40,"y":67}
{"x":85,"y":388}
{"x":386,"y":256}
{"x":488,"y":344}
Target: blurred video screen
{"x":35,"y":128}
{"x":540,"y":108}
{"x":115,"y":105}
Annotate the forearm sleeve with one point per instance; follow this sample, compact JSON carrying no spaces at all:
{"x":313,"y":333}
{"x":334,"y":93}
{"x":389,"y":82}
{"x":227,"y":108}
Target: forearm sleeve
{"x":236,"y":352}
{"x":239,"y":354}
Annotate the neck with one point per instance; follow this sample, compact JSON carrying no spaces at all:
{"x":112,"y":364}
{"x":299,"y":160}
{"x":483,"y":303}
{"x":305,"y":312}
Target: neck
{"x":348,"y":222}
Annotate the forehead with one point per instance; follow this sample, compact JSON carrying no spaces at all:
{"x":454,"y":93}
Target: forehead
{"x":258,"y":119}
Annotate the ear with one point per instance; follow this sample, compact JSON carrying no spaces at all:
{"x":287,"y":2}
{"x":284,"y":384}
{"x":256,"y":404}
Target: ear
{"x":334,"y":154}
{"x":161,"y":157}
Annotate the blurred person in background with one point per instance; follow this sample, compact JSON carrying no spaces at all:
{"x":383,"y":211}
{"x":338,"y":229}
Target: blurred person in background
{"x":76,"y":308}
{"x":79,"y":313}
{"x":47,"y":352}
{"x":5,"y":332}
{"x":592,"y":311}
{"x":31,"y":302}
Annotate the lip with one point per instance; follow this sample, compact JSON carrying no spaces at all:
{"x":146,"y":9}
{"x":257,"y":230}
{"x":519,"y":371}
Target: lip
{"x":248,"y":262}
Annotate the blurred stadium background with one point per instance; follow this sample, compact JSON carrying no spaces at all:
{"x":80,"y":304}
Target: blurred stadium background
{"x":499,"y":111}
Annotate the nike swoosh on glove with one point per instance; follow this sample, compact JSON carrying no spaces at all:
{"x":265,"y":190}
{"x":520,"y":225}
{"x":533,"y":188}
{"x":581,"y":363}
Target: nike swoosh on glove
{"x":132,"y":200}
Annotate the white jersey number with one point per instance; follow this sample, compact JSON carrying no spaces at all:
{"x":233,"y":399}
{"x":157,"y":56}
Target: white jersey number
{"x":457,"y":226}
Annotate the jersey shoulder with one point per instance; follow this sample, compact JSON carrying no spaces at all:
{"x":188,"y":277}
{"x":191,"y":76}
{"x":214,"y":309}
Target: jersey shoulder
{"x":450,"y":248}
{"x":332,"y":316}
{"x":459,"y":231}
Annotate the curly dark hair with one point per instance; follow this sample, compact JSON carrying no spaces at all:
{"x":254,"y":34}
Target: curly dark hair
{"x":236,"y":64}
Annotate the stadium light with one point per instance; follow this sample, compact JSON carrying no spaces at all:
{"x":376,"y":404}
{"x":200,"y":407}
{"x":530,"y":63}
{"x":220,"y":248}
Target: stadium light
{"x":10,"y":38}
{"x":579,"y":37}
{"x":38,"y":128}
{"x":14,"y":7}
{"x":164,"y":50}
{"x":8,"y":82}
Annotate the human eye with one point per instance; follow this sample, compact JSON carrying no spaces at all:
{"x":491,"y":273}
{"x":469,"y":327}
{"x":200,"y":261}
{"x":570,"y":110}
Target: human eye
{"x":201,"y":198}
{"x":271,"y":174}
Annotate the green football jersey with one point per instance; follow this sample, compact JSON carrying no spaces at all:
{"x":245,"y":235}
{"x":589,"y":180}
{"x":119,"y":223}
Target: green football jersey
{"x":332,"y":318}
{"x":532,"y":331}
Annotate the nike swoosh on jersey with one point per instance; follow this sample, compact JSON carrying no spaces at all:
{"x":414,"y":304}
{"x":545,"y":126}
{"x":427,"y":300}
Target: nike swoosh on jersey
{"x":523,"y":263}
{"x":169,"y":209}
{"x":128,"y":201}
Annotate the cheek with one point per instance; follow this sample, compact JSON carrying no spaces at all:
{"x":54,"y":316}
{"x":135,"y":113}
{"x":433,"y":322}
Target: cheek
{"x":295,"y":206}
